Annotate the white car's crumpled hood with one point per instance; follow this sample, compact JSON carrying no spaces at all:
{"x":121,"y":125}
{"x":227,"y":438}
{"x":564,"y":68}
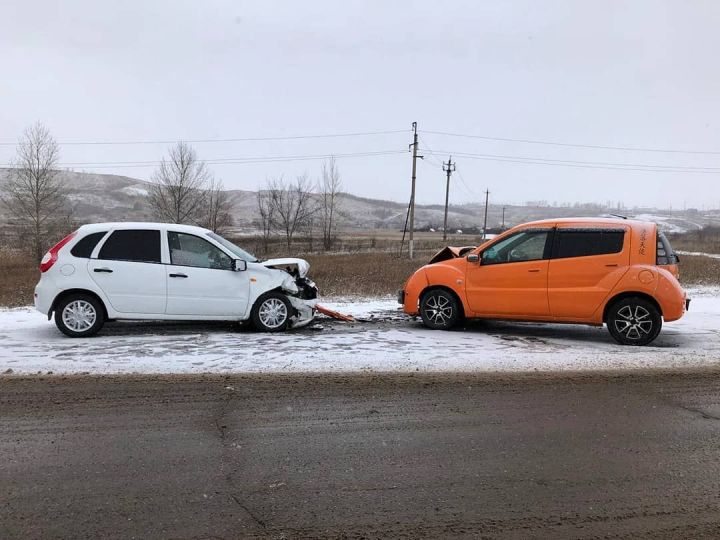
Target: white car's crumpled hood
{"x":301,"y":266}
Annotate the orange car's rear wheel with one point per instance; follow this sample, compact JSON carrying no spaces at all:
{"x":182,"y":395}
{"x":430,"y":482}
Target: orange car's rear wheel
{"x":439,"y":309}
{"x":634,"y":321}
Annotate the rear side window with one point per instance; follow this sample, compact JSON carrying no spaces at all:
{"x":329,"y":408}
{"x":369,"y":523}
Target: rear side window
{"x":585,"y":243}
{"x":85,"y":246}
{"x":132,"y":245}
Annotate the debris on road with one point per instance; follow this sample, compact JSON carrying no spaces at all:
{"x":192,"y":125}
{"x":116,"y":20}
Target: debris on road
{"x":334,"y":314}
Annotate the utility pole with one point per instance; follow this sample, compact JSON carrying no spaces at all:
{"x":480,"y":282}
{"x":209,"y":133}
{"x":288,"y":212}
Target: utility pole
{"x":449,"y":168}
{"x":487,"y":195}
{"x":414,"y":147}
{"x":503,"y":219}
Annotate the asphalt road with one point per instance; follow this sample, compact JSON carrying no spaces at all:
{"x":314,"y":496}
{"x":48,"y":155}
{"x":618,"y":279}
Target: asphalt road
{"x":625,"y":455}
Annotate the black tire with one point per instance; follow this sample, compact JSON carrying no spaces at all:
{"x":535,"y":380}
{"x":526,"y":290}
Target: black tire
{"x":634,"y":321}
{"x":268,"y":314}
{"x":439,"y":309}
{"x":79,"y":315}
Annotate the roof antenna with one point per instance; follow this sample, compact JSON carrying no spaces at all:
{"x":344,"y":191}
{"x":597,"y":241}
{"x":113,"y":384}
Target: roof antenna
{"x":618,"y":216}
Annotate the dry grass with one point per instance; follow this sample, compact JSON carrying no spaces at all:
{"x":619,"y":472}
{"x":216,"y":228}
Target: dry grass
{"x":699,"y":270}
{"x":706,"y":240}
{"x":18,"y":276}
{"x":361,"y":274}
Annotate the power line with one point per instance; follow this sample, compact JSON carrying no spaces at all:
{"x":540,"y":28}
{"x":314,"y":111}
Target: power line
{"x":574,"y":145}
{"x":467,"y":187}
{"x":237,"y":139}
{"x":647,"y":167}
{"x":225,"y":161}
{"x":439,"y":164}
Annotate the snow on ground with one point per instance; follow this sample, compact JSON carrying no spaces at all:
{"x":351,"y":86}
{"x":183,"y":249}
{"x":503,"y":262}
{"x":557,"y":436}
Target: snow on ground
{"x":383,"y":340}
{"x":670,"y":224}
{"x":135,"y":190}
{"x":699,"y":254}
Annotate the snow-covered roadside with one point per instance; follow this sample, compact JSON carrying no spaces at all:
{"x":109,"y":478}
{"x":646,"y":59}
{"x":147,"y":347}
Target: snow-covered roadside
{"x":699,"y":254}
{"x":384,"y":342}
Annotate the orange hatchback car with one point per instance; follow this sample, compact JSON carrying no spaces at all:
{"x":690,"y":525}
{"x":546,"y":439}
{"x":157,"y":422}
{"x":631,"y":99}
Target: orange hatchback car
{"x":595,"y":271}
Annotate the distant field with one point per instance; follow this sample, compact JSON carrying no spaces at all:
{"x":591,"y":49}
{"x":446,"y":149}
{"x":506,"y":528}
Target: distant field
{"x":372,"y":241}
{"x":705,"y":240}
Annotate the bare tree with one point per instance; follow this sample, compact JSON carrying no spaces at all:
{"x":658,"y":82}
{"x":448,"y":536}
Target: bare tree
{"x":292,"y":205}
{"x":179,"y":186}
{"x":218,"y":207}
{"x":267,"y":216}
{"x":33,"y":193}
{"x":330,"y":186}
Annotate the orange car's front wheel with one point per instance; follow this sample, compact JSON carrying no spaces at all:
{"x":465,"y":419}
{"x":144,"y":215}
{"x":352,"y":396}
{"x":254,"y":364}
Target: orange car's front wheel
{"x":439,"y":309}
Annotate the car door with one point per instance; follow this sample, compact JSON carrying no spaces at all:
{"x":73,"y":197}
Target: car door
{"x":201,"y":281}
{"x":585,"y":265}
{"x":510,"y":278}
{"x":127,"y":267}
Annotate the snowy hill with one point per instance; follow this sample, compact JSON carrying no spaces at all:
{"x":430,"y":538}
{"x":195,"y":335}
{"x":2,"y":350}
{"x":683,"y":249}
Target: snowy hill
{"x":108,"y":197}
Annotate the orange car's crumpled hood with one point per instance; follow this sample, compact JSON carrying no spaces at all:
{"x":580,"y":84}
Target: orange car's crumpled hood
{"x":450,"y":252}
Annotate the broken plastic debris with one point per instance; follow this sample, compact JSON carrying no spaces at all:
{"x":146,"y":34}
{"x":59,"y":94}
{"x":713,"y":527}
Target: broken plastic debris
{"x":334,"y":314}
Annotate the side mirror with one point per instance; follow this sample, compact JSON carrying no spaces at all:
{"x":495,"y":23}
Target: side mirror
{"x":473,"y":258}
{"x":239,"y":265}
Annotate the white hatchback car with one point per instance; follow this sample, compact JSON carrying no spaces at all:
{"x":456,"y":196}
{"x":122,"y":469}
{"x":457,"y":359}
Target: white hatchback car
{"x":110,"y":271}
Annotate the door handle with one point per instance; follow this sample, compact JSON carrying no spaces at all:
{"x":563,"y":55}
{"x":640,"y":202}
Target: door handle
{"x":611,"y":264}
{"x":178,"y":275}
{"x":106,"y":270}
{"x":534,"y":270}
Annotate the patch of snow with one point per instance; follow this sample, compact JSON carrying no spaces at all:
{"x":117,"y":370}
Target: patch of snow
{"x":134,"y":190}
{"x":670,"y":224}
{"x":31,"y":344}
{"x":363,"y":307}
{"x":699,"y":254}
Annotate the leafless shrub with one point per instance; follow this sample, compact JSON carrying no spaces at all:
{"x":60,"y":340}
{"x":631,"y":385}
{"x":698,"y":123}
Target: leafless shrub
{"x":266,"y":219}
{"x":33,"y":194}
{"x":292,"y":205}
{"x":178,"y":192}
{"x":330,"y":185}
{"x":218,"y":208}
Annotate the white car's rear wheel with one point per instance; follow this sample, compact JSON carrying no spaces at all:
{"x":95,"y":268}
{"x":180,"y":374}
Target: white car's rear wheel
{"x":79,"y":315}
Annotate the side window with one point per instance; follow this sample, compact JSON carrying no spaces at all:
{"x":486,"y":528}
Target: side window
{"x":522,"y":246}
{"x":584,"y":243}
{"x":132,"y":245}
{"x":85,"y":246}
{"x":191,"y":250}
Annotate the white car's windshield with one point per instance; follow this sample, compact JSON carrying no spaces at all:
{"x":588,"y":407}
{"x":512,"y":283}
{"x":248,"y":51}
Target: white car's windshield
{"x":239,"y":252}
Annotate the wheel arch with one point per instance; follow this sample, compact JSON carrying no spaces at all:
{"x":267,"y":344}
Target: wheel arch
{"x":630,"y":294}
{"x":445,"y":288}
{"x":69,"y":292}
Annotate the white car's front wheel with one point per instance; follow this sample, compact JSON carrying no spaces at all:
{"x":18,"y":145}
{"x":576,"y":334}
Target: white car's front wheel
{"x":271,"y":312}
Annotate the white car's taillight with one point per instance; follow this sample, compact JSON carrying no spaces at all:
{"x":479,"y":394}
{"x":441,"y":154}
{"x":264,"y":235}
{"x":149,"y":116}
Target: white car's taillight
{"x":51,"y":256}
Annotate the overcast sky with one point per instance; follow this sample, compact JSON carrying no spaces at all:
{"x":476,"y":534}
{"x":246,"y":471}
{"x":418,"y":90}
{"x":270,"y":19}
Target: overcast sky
{"x":623,"y":74}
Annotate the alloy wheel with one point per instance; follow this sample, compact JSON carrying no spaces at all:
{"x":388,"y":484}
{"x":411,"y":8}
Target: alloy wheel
{"x":79,"y":315}
{"x":273,"y":313}
{"x":633,"y":322}
{"x":438,"y":309}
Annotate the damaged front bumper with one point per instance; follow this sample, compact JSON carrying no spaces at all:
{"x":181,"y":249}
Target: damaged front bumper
{"x":304,"y":311}
{"x":302,"y":294}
